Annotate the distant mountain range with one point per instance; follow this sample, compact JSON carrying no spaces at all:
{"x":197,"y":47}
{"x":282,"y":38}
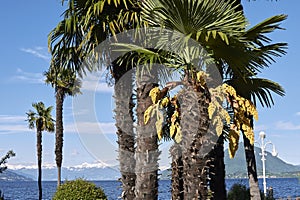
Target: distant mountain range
{"x":276,"y":167}
{"x":8,"y":175}
{"x":85,"y":171}
{"x":235,"y":168}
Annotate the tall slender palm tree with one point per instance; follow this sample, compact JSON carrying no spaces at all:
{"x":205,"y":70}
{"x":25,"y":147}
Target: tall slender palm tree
{"x":124,"y":117}
{"x":40,"y":119}
{"x":264,"y":97}
{"x":65,"y":83}
{"x":254,"y":88}
{"x":106,"y":24}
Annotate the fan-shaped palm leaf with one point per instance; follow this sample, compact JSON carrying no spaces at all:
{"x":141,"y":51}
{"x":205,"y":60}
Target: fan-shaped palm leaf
{"x":257,"y":89}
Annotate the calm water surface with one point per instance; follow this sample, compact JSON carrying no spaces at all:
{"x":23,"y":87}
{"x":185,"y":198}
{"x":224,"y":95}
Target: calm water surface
{"x":283,"y":187}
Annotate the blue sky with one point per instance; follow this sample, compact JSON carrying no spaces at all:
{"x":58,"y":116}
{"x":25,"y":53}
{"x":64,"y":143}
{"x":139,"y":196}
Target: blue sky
{"x":24,"y":57}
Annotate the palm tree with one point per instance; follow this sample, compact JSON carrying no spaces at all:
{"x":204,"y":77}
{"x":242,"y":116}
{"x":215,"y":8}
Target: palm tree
{"x":263,"y":94}
{"x":94,"y":22}
{"x":42,"y":121}
{"x":255,"y":88}
{"x":65,"y":39}
{"x":255,"y":58}
{"x":260,"y":89}
{"x":124,"y":117}
{"x":65,"y":83}
{"x":193,"y":18}
{"x":206,"y":34}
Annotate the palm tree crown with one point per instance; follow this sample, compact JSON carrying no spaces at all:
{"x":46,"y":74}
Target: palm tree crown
{"x":41,"y":119}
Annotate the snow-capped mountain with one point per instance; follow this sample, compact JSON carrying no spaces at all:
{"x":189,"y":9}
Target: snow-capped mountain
{"x":89,"y":171}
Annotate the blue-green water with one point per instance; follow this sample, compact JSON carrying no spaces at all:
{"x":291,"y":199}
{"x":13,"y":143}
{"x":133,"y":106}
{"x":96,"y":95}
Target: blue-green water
{"x":283,"y":187}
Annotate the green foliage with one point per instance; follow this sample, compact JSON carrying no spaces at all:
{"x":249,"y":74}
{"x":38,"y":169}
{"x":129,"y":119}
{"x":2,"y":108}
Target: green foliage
{"x":42,"y":118}
{"x":238,"y":192}
{"x":79,"y":190}
{"x":4,"y":160}
{"x":65,"y":79}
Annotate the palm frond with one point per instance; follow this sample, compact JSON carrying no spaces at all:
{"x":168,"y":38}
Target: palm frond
{"x":193,"y":16}
{"x":65,"y":79}
{"x":257,"y":89}
{"x":42,"y":115}
{"x":144,"y":60}
{"x":31,"y":119}
{"x":257,"y":33}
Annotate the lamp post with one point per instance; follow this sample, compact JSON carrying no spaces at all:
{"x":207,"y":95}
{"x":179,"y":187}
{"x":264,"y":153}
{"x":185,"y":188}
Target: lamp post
{"x":263,"y":154}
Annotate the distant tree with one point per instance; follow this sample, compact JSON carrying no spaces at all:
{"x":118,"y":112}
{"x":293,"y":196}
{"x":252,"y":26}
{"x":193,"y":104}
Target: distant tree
{"x":42,"y":121}
{"x":4,"y":159}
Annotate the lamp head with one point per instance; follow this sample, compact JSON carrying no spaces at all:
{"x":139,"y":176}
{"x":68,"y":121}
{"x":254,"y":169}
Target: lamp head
{"x":262,"y":135}
{"x":274,"y":152}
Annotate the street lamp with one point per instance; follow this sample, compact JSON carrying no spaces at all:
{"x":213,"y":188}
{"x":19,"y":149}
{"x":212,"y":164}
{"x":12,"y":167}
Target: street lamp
{"x":263,"y":145}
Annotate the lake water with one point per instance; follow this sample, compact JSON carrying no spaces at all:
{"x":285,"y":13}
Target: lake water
{"x":283,"y":187}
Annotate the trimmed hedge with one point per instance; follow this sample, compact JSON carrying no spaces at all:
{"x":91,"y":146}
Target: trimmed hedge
{"x":79,"y":190}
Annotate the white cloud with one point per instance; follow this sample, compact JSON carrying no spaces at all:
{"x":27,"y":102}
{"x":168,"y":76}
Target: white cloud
{"x":100,"y":164}
{"x":11,"y":118}
{"x":298,"y":113}
{"x":13,"y":124}
{"x":30,"y":166}
{"x":96,"y":82}
{"x":80,"y":112}
{"x":260,"y":127}
{"x":281,"y":125}
{"x":17,"y":124}
{"x":39,"y":52}
{"x":91,"y":128}
{"x":74,"y":153}
{"x":12,"y":128}
{"x":28,"y":76}
{"x":96,"y":86}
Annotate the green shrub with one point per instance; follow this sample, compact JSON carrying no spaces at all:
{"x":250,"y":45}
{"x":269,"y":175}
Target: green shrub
{"x":238,"y":192}
{"x":79,"y":190}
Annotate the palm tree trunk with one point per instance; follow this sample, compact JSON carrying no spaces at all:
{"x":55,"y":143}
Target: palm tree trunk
{"x":251,"y":167}
{"x":39,"y":156}
{"x":217,"y":171}
{"x":126,"y":140}
{"x":147,"y":153}
{"x":195,"y":142}
{"x":177,"y":172}
{"x":59,"y":132}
